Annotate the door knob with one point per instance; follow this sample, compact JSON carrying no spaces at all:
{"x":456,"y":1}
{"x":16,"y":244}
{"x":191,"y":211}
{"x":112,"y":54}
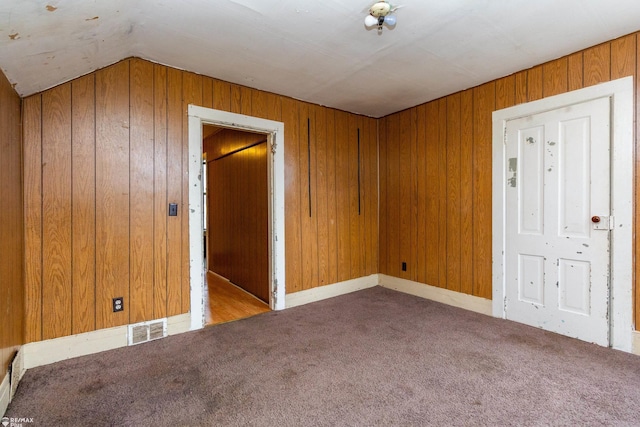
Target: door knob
{"x":595,"y":219}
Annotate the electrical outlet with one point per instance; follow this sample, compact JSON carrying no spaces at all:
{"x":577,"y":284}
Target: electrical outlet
{"x":404,"y":266}
{"x":118,"y":304}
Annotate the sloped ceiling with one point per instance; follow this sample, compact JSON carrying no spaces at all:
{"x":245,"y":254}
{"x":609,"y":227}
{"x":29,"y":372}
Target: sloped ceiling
{"x":314,"y":50}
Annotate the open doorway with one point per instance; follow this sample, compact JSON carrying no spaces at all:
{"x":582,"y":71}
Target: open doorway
{"x":236,"y":223}
{"x":275,"y":153}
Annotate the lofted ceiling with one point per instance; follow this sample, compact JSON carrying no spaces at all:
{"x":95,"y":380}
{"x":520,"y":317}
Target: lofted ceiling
{"x":313,"y":50}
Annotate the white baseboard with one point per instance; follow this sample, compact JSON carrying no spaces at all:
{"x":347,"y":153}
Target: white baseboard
{"x":329,"y":291}
{"x":41,"y":353}
{"x":5,"y":394}
{"x":50,"y":351}
{"x":179,"y":324}
{"x":635,"y":342}
{"x":445,"y":296}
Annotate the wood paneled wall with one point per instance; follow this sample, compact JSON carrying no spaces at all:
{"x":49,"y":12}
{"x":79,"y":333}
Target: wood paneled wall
{"x":103,"y":158}
{"x":238,"y":210}
{"x":332,"y":196}
{"x":12,"y":259}
{"x":104,"y":155}
{"x":435,"y":169}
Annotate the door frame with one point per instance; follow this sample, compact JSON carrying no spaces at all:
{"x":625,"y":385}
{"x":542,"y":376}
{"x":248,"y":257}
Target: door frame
{"x":199,"y":116}
{"x":620,"y":92}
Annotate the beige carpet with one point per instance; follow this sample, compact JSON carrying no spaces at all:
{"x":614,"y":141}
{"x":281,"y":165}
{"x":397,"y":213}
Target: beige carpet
{"x":374,"y":357}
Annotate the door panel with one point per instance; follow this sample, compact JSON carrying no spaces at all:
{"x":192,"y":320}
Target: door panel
{"x":573,"y":281}
{"x":557,"y":262}
{"x":574,"y":178}
{"x":531,"y":215}
{"x":531,"y":285}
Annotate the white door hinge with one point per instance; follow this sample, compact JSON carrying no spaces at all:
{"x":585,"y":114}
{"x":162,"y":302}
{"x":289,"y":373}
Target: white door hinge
{"x":274,"y":292}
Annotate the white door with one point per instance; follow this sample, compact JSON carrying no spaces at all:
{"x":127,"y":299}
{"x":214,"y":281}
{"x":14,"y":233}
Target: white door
{"x":557,"y":220}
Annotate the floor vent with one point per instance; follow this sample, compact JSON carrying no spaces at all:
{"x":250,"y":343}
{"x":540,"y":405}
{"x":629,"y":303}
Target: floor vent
{"x":147,"y":331}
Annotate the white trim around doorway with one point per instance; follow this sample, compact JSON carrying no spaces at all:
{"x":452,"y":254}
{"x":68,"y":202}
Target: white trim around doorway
{"x":275,"y":131}
{"x":620,"y":93}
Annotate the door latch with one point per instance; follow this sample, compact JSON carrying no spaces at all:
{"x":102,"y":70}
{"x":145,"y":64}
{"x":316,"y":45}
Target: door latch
{"x":602,"y":222}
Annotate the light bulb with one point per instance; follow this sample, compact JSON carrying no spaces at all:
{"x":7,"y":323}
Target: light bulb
{"x":390,"y":20}
{"x":370,"y":21}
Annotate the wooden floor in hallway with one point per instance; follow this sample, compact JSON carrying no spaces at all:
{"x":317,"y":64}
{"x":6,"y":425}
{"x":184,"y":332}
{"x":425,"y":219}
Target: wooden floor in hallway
{"x":228,"y":302}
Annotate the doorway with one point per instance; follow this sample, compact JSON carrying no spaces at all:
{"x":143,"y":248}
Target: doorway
{"x":199,"y":116}
{"x":562,"y":213}
{"x":235,"y":185}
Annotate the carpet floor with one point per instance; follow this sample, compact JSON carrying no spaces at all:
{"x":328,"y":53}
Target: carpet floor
{"x":373,"y":357}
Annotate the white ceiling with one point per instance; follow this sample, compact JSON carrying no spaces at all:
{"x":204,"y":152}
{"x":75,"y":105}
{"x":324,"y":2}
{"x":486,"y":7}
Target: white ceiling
{"x":313,"y":50}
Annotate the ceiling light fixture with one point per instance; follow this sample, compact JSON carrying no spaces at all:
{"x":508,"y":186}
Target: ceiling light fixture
{"x":380,"y":13}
